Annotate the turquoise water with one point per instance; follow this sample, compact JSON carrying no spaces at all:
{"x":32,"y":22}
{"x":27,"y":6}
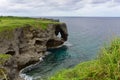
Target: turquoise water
{"x":86,"y":37}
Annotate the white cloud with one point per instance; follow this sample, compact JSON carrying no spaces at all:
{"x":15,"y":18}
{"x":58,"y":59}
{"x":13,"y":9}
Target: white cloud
{"x":60,"y":7}
{"x":105,"y":9}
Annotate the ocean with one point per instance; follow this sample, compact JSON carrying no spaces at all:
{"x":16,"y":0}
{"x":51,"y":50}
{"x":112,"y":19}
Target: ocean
{"x":87,"y":35}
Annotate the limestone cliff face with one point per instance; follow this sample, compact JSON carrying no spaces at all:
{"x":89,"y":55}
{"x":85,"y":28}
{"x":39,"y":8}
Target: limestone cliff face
{"x":28,"y":44}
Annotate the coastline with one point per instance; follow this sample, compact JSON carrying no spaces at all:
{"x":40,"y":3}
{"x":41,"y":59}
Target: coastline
{"x":27,"y":40}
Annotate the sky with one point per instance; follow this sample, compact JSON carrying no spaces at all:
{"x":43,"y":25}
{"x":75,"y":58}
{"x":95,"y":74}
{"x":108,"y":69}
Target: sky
{"x":102,"y":8}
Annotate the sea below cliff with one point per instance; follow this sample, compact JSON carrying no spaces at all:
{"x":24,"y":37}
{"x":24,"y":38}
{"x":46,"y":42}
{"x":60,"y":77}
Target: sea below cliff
{"x":86,"y":37}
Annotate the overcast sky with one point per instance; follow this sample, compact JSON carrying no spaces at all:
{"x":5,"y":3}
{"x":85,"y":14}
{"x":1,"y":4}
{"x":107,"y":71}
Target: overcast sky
{"x":60,"y":7}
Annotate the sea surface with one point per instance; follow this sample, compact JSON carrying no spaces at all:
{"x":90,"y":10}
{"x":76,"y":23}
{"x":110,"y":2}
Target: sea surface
{"x":87,"y":35}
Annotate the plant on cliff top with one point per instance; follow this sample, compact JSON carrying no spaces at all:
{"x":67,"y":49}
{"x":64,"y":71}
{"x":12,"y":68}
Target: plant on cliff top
{"x":106,"y":67}
{"x":9,"y":23}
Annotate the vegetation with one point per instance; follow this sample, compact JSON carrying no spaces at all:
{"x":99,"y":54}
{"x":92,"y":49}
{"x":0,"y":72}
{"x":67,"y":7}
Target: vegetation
{"x":3,"y":59}
{"x":105,"y":67}
{"x":10,"y":22}
{"x":3,"y":74}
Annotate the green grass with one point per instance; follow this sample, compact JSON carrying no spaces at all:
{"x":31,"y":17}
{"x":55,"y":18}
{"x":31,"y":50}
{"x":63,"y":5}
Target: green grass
{"x":105,"y":67}
{"x":10,"y":23}
{"x":3,"y":58}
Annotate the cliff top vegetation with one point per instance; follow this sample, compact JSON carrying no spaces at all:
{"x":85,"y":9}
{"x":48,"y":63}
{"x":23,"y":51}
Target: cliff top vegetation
{"x":10,"y":22}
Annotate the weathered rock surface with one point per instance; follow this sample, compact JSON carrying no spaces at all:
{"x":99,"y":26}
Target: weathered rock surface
{"x":28,"y":44}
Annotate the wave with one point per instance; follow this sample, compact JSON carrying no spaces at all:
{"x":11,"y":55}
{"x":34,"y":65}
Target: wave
{"x":29,"y":68}
{"x":26,"y":77}
{"x":68,"y":44}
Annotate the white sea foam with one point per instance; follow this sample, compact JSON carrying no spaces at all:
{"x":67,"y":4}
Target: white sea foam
{"x":26,"y":77}
{"x":29,"y":68}
{"x":68,"y":44}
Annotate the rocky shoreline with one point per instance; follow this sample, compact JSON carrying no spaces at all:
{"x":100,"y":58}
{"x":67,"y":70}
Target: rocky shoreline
{"x":30,"y":67}
{"x":27,"y":45}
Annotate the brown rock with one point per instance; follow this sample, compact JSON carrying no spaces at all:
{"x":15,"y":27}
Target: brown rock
{"x":27,"y":45}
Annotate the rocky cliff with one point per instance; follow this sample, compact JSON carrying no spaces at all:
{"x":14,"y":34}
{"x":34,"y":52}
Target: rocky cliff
{"x":27,"y":45}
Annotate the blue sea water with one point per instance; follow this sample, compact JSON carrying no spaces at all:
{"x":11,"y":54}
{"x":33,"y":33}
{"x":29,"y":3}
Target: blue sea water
{"x":87,"y":35}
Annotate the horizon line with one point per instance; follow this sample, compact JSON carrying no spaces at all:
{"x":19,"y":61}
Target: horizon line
{"x":64,"y":16}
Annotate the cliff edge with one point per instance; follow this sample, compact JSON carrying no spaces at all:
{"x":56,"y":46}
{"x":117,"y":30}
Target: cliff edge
{"x":27,"y":44}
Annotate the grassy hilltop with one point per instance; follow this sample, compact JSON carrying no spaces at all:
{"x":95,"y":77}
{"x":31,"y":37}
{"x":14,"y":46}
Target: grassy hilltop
{"x":106,"y":67}
{"x":8,"y":23}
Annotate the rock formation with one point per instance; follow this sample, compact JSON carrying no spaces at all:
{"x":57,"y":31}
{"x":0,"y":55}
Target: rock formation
{"x":27,"y":44}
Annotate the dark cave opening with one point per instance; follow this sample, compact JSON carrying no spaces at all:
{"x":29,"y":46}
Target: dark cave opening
{"x":11,"y":53}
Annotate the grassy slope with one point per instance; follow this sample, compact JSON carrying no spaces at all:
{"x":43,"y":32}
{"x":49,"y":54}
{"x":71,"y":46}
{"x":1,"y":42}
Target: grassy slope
{"x":106,"y":67}
{"x":7,"y":23}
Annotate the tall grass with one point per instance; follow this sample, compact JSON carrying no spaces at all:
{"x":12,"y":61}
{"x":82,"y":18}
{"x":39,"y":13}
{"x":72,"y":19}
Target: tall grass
{"x":105,"y":67}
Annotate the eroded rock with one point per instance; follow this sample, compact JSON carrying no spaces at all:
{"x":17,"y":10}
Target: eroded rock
{"x":28,"y":44}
